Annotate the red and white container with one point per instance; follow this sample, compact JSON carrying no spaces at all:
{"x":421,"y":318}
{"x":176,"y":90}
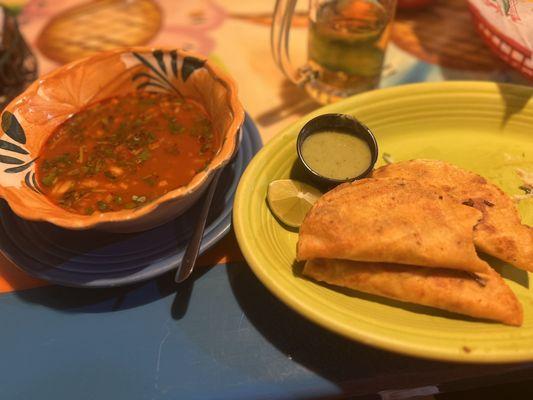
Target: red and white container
{"x":507,"y":27}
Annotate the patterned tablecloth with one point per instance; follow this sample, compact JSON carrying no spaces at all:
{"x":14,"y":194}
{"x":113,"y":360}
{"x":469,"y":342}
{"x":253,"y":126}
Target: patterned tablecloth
{"x":235,"y":340}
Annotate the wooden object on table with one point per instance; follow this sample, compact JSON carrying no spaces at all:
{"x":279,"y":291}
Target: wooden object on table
{"x":443,"y":33}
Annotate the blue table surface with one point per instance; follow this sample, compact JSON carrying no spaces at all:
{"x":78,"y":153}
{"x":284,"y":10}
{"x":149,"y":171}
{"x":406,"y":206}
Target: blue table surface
{"x":221,"y":336}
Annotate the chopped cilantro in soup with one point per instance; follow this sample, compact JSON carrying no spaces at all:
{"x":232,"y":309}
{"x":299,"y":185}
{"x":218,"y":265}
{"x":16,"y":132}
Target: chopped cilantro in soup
{"x":125,"y":152}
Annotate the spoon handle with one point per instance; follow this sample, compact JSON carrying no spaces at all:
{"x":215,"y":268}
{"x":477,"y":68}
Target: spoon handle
{"x":191,"y":253}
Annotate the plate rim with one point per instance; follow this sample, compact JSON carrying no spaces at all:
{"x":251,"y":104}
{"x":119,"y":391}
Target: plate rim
{"x":218,"y":233}
{"x":363,"y":336}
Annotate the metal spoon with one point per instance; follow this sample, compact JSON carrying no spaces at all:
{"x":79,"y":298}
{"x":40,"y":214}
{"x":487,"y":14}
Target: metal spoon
{"x":191,"y":253}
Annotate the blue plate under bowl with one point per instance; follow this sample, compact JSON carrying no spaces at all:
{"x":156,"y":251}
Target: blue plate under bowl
{"x":101,"y":259}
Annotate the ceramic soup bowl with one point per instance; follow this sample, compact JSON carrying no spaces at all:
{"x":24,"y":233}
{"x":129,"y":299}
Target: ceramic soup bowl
{"x":33,"y":116}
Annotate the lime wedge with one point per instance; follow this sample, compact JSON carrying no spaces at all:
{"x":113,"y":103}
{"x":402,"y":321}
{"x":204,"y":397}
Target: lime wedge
{"x":290,"y":200}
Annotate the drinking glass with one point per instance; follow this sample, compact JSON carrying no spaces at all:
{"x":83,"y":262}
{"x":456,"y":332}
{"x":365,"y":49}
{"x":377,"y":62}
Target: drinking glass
{"x":345,"y":48}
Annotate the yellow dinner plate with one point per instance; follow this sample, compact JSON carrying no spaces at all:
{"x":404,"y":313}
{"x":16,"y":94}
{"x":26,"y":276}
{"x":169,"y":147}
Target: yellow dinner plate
{"x":481,"y":126}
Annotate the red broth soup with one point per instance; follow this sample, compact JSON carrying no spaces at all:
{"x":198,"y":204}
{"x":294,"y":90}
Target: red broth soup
{"x":125,"y":152}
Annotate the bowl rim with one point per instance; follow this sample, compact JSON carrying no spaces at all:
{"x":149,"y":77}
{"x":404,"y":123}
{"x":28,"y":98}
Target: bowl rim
{"x":229,"y":146}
